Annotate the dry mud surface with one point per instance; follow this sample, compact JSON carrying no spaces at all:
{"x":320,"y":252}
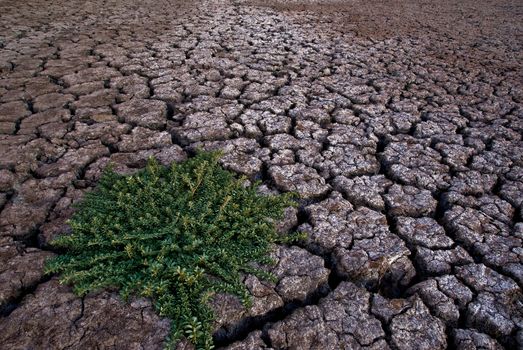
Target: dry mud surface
{"x":399,"y":122}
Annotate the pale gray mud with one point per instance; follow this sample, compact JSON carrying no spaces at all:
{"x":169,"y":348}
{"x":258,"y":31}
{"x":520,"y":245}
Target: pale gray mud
{"x":399,"y":122}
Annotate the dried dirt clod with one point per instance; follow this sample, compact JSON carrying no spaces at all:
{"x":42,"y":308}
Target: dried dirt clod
{"x":253,"y":341}
{"x":341,"y":319}
{"x":364,"y":190}
{"x":147,"y":113}
{"x":22,"y":269}
{"x":465,"y":339}
{"x":299,"y":178}
{"x":416,"y":328}
{"x":54,"y":317}
{"x":143,"y":139}
{"x":300,"y":276}
{"x":409,"y":201}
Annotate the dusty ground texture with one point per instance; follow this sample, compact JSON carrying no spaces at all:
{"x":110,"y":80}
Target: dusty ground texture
{"x":399,"y":122}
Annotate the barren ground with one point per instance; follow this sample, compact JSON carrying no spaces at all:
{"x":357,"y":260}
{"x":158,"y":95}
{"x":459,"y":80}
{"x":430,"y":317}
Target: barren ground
{"x":399,"y":122}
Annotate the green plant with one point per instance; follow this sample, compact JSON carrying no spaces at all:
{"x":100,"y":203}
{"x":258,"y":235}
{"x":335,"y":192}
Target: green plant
{"x":174,"y":234}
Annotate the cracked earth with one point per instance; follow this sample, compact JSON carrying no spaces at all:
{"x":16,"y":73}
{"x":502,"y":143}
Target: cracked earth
{"x":400,"y":124}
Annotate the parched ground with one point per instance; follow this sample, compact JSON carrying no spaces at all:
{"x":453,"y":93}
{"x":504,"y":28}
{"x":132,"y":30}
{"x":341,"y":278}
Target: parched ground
{"x":399,"y":122}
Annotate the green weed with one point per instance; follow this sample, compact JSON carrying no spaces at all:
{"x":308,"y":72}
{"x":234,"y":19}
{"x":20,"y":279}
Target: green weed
{"x":177,"y":235}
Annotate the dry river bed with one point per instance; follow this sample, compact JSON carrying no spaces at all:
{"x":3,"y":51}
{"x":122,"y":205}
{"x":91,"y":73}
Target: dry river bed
{"x":399,"y":122}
